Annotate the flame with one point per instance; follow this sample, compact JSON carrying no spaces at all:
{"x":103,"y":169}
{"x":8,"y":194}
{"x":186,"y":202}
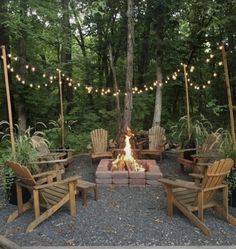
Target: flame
{"x":127,"y":149}
{"x":128,"y":157}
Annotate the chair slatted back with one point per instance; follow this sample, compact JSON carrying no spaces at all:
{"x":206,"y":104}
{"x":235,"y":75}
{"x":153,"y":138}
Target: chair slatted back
{"x":40,"y":145}
{"x":25,"y":176}
{"x":156,"y":136}
{"x":22,"y":173}
{"x":99,"y":140}
{"x":214,"y":176}
{"x":212,"y":143}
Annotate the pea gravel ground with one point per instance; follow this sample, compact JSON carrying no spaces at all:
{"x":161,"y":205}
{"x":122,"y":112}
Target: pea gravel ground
{"x":122,"y":216}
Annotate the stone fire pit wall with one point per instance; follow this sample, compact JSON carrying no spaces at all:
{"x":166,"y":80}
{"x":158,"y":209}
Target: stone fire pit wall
{"x":106,"y":177}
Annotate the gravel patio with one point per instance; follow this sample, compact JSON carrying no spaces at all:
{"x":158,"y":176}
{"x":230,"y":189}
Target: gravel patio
{"x":121,"y":217}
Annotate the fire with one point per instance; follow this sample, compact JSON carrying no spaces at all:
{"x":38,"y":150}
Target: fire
{"x":127,"y":149}
{"x":126,"y":161}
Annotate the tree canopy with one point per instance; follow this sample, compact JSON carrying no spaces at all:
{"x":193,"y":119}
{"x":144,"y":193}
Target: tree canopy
{"x":81,"y":38}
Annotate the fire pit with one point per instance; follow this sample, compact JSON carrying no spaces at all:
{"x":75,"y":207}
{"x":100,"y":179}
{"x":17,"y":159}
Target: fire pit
{"x":105,"y":176}
{"x":125,"y":170}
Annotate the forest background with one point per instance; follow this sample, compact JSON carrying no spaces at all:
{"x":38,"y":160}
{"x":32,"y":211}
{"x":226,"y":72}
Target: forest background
{"x":90,"y":41}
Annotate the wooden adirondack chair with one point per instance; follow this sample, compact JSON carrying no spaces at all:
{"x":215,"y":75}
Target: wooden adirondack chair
{"x":46,"y":154}
{"x":99,"y":139}
{"x":157,"y":142}
{"x":189,"y":197}
{"x":205,"y":153}
{"x":46,"y":193}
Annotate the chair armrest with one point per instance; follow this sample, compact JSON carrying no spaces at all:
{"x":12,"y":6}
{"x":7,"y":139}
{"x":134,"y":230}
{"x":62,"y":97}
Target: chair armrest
{"x":194,"y":175}
{"x":185,"y":150}
{"x":206,"y":155}
{"x":51,"y":172}
{"x":177,"y":183}
{"x":67,"y":180}
{"x":62,"y":150}
{"x":204,"y":164}
{"x":50,"y":154}
{"x":51,"y":161}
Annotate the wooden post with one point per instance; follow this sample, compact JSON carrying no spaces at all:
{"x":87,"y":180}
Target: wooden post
{"x":62,"y":112}
{"x":230,"y":105}
{"x":187,"y":100}
{"x":4,"y":58}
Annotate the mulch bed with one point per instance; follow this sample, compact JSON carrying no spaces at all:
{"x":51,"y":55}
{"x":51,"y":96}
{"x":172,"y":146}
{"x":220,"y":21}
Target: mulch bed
{"x":121,"y":216}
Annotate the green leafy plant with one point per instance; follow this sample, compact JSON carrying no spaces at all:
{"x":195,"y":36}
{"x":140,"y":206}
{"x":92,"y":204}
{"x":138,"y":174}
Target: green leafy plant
{"x":231,"y":179}
{"x":53,"y":133}
{"x":7,"y":175}
{"x":229,"y":151}
{"x":199,"y":129}
{"x":25,"y":154}
{"x":228,"y":147}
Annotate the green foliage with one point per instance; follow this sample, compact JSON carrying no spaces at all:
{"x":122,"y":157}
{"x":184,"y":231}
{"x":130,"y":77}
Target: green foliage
{"x":229,"y":151}
{"x":143,"y":111}
{"x":24,"y":149}
{"x":25,"y":152}
{"x":166,"y":33}
{"x":199,"y":129}
{"x":231,"y":179}
{"x":79,"y":141}
{"x":228,"y":148}
{"x":216,"y":109}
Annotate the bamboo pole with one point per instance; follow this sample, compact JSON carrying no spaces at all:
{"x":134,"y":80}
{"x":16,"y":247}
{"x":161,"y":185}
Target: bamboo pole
{"x":187,"y":100}
{"x":10,"y":119}
{"x":62,"y":112}
{"x":230,"y":104}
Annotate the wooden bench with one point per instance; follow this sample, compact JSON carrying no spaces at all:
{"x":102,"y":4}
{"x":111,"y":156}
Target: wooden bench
{"x":84,"y":187}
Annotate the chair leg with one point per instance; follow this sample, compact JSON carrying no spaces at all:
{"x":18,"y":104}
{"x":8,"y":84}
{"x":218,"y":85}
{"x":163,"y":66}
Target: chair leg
{"x":47,"y":214}
{"x":169,"y":200}
{"x":197,"y":222}
{"x":95,"y":193}
{"x":36,"y":203}
{"x":19,"y":198}
{"x":16,"y":213}
{"x":223,"y":210}
{"x":84,"y":197}
{"x":72,"y":198}
{"x":200,"y":205}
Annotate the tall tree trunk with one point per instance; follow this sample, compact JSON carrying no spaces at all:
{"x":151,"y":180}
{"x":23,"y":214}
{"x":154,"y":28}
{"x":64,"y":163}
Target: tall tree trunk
{"x":144,"y":57}
{"x":21,"y":109}
{"x":158,"y":101}
{"x":113,"y":69}
{"x":128,"y":105}
{"x":117,"y":97}
{"x":4,"y":40}
{"x":66,"y":49}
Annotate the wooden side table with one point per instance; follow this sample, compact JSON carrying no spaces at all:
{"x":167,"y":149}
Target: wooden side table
{"x":84,"y":187}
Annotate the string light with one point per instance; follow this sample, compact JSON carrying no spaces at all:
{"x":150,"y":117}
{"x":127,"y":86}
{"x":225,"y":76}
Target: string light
{"x":135,"y":90}
{"x":192,"y":69}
